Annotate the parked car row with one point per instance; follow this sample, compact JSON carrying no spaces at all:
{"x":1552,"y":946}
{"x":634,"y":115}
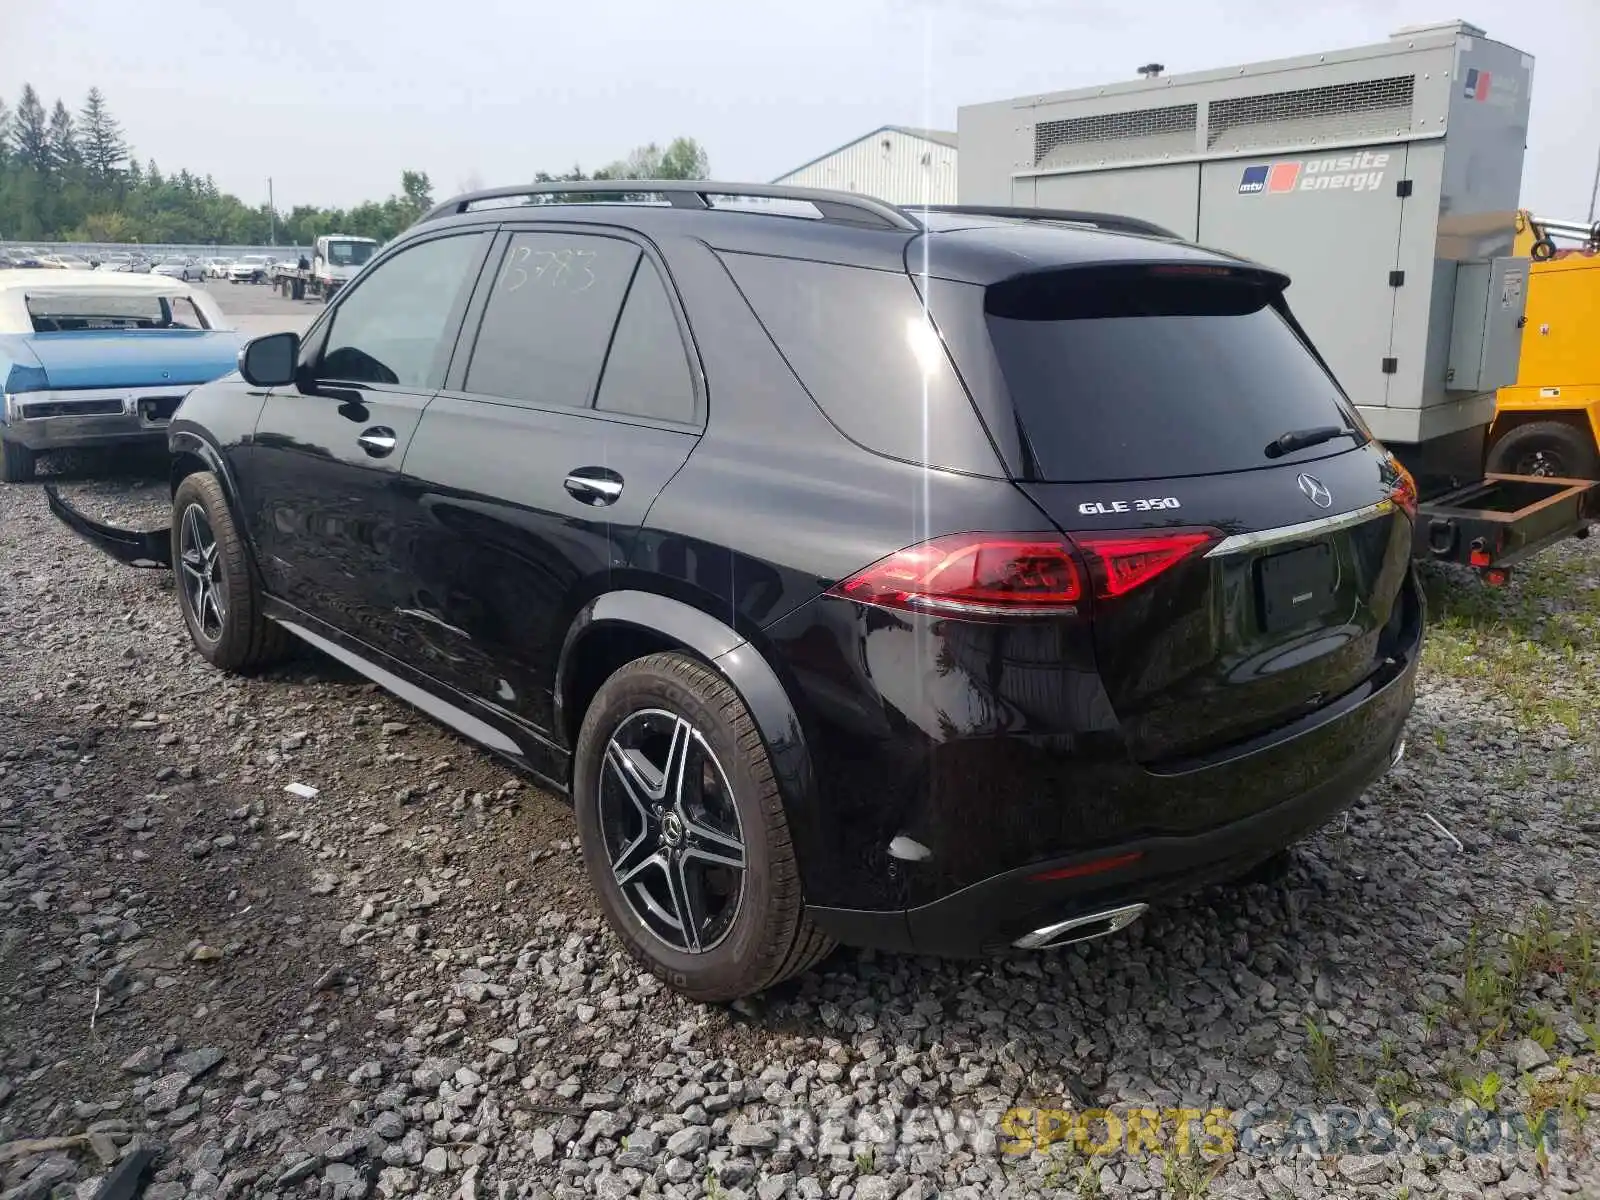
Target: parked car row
{"x":249,"y":268}
{"x":643,"y":533}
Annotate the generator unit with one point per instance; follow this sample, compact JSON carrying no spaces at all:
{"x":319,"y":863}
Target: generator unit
{"x":1383,"y":180}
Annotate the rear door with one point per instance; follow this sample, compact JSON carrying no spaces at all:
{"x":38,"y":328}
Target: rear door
{"x":1235,"y":589}
{"x":575,"y":399}
{"x":318,"y":480}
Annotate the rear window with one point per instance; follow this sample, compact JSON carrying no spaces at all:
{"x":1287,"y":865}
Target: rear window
{"x":70,"y":311}
{"x":1134,"y":374}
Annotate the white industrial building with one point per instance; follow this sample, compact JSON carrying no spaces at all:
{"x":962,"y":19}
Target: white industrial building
{"x":896,"y":164}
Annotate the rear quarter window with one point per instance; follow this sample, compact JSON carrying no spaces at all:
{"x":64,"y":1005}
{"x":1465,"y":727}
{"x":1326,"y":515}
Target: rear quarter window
{"x":1136,"y":375}
{"x":862,"y":346}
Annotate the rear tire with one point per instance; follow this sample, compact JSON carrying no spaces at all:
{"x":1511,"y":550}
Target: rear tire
{"x":218,"y":592}
{"x":646,"y":831}
{"x":1551,"y":448}
{"x":19,"y":463}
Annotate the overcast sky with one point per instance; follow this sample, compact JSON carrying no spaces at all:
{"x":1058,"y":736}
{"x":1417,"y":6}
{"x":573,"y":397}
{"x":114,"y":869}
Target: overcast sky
{"x":334,"y":98}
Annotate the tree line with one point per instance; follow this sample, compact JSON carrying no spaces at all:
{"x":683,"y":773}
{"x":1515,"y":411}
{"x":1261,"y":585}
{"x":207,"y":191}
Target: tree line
{"x":68,"y":176}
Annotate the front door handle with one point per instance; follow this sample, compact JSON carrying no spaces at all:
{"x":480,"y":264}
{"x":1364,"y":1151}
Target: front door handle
{"x":378,"y":441}
{"x":597,"y":486}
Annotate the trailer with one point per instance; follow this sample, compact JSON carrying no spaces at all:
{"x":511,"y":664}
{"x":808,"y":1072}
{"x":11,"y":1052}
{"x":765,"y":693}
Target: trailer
{"x":336,"y":258}
{"x":1384,"y":181}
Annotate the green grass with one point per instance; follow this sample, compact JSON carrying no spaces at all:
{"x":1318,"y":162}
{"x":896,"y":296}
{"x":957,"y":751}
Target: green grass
{"x":1535,"y":644}
{"x":1322,"y":1057}
{"x":1500,"y":968}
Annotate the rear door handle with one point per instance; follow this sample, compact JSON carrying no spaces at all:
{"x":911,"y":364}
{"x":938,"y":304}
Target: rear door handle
{"x":378,"y":441}
{"x":597,"y":486}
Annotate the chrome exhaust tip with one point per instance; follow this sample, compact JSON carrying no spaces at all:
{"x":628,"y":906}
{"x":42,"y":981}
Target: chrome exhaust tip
{"x":1081,"y":929}
{"x":1398,"y":753}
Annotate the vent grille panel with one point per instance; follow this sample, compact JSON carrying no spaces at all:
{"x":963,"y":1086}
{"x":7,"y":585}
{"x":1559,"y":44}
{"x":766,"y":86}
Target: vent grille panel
{"x":1116,"y":137}
{"x":1337,"y":112}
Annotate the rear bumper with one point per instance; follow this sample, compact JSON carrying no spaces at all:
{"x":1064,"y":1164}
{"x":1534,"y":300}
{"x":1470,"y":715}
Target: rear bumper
{"x":1296,"y":779}
{"x":995,"y":914}
{"x":76,"y":420}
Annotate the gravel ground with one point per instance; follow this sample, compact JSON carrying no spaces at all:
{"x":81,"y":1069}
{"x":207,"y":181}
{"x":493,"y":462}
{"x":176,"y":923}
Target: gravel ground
{"x":401,"y":986}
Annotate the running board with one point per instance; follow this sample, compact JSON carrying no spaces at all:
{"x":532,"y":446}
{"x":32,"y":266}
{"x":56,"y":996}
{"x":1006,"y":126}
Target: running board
{"x":442,"y":711}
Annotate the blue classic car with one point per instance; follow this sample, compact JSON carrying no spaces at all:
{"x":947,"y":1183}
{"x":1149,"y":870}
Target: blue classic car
{"x":90,"y":358}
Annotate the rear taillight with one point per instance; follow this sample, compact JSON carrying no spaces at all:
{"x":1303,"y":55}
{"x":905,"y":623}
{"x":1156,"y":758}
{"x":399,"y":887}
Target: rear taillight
{"x":974,"y":574}
{"x":987,"y":575}
{"x":1120,"y":564}
{"x":1403,"y":491}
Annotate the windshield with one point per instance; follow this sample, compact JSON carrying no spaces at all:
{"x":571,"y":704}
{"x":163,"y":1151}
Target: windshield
{"x":350,"y":254}
{"x":70,"y":312}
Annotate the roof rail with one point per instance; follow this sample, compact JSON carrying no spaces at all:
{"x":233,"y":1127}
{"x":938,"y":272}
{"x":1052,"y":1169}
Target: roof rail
{"x":1111,"y":222}
{"x":846,"y":207}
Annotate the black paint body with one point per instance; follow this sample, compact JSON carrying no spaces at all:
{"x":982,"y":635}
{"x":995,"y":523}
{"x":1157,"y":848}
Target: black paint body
{"x":1165,"y":720}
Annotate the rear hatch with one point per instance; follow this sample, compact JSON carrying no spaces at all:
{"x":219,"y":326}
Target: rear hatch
{"x":1241,"y":582}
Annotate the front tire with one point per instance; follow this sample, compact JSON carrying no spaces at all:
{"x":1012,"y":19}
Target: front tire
{"x":218,"y":593}
{"x":19,"y":463}
{"x":684,"y":832}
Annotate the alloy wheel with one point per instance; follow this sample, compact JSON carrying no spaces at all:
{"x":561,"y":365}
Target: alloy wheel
{"x":671,"y":831}
{"x":200,"y":566}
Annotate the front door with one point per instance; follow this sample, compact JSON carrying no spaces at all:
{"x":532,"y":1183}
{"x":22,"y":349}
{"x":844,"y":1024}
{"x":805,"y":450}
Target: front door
{"x":317,"y":482}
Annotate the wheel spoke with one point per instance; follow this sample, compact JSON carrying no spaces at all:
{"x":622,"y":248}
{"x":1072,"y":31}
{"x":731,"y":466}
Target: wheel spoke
{"x":624,"y":770}
{"x":212,"y":604}
{"x":681,"y":892}
{"x":194,"y":543}
{"x":676,"y":766}
{"x":637,"y":857}
{"x":712,"y":845}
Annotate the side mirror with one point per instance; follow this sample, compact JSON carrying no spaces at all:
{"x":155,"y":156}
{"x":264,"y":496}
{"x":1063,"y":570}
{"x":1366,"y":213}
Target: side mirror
{"x":270,"y":361}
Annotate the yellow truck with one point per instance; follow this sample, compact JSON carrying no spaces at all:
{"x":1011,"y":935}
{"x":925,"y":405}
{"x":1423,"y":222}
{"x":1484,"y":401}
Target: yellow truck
{"x":1548,"y":423}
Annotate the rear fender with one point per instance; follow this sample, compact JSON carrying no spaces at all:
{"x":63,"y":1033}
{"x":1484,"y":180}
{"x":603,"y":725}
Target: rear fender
{"x":732,"y":656}
{"x":152,"y":549}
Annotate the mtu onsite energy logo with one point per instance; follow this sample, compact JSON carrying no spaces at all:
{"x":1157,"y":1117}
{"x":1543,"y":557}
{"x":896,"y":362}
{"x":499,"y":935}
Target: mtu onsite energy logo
{"x":1344,"y":172}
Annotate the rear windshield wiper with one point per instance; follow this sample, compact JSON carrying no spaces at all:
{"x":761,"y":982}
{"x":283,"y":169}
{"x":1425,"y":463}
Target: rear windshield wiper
{"x":1299,"y":439}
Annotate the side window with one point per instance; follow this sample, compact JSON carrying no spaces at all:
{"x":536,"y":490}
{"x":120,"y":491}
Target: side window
{"x":550,"y":318}
{"x":647,"y":371}
{"x":393,"y":327}
{"x":860,"y":343}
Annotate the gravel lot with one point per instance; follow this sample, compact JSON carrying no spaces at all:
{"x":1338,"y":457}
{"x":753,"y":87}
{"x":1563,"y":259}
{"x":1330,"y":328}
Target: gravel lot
{"x":400,"y":985}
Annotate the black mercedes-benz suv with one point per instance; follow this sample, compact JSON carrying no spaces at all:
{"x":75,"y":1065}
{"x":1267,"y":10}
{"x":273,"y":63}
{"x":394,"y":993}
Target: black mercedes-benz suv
{"x":940,"y":580}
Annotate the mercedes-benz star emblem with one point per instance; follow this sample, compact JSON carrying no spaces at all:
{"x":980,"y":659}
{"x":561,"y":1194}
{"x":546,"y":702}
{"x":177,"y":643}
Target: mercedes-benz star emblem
{"x":1316,"y":491}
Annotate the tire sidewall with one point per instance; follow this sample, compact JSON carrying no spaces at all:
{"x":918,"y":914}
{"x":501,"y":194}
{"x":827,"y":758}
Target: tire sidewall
{"x":202,"y":489}
{"x":725,"y":968}
{"x":1562,"y":442}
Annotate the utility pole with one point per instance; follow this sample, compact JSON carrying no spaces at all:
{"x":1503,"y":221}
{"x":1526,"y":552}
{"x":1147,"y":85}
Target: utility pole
{"x":272,"y":214}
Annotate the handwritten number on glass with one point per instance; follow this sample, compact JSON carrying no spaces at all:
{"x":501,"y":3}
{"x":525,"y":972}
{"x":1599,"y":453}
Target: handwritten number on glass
{"x":565,"y":269}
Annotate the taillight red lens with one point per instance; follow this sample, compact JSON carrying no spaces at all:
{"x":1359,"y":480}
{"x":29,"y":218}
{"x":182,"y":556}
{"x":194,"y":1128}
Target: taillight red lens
{"x":993,"y":575}
{"x":974,"y":574}
{"x":1121,"y":563}
{"x":1404,"y":490}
